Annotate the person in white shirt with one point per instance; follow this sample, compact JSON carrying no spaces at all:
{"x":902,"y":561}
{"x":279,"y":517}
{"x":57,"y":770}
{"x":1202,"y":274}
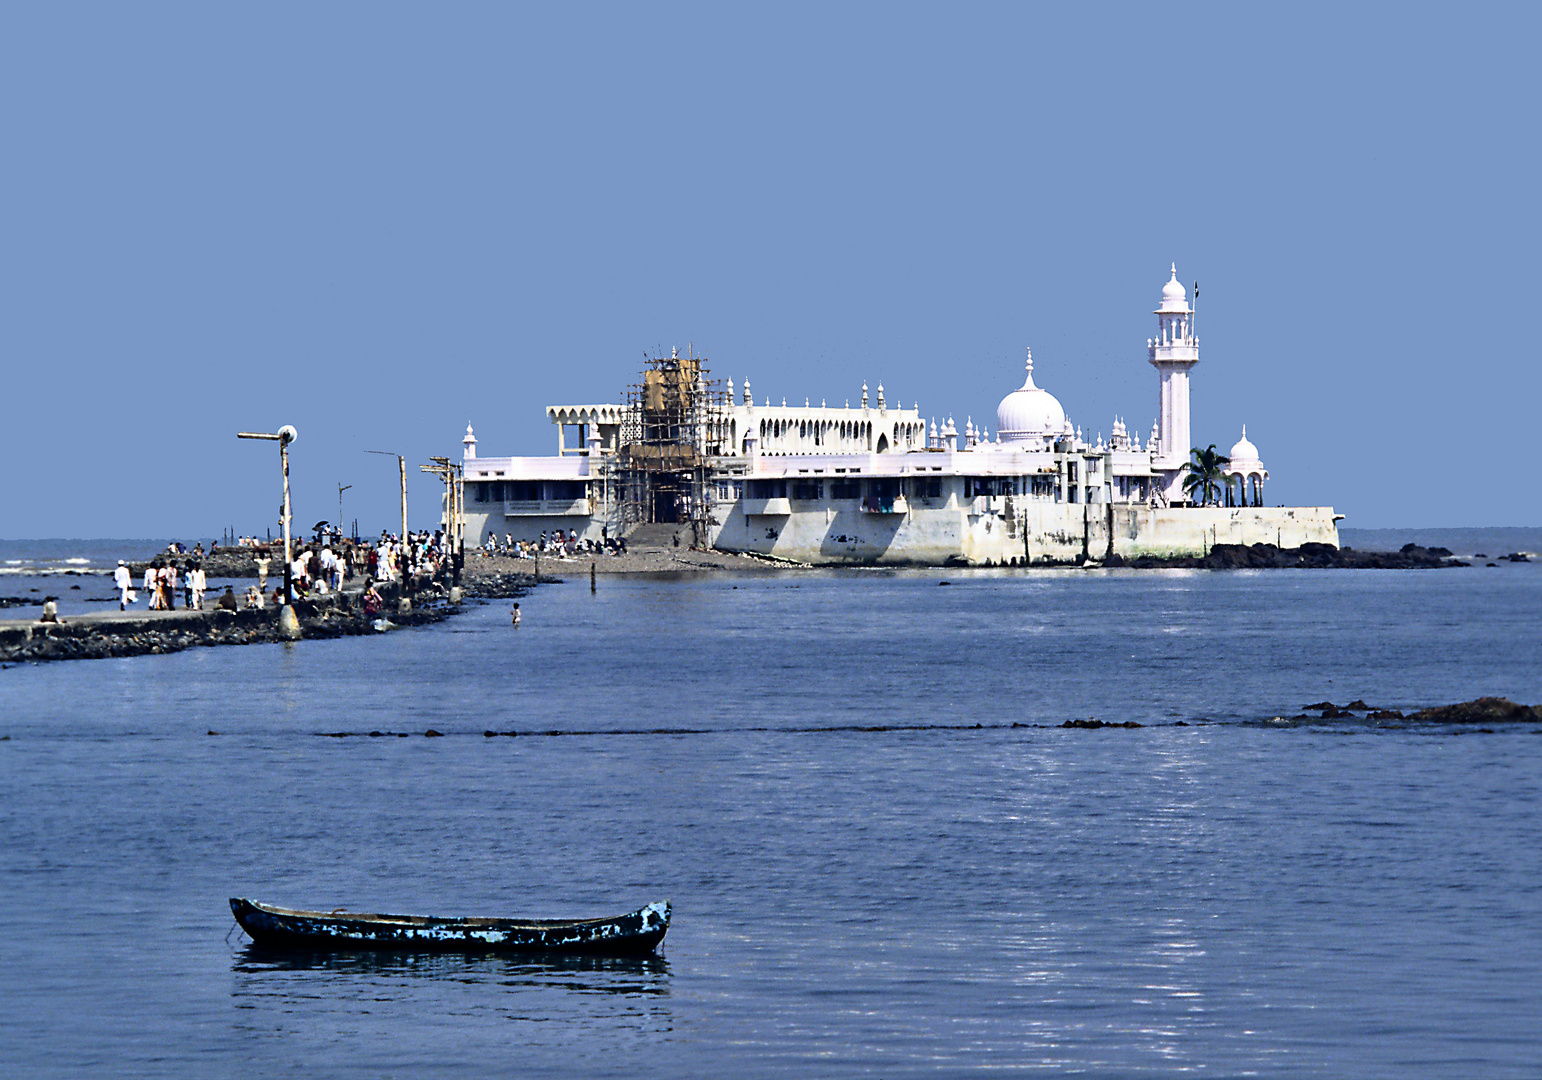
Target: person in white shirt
{"x":199,"y":583}
{"x":125,"y":583}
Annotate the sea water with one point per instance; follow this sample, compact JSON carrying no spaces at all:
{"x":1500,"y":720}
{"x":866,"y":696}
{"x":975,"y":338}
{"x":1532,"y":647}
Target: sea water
{"x":885,"y":856}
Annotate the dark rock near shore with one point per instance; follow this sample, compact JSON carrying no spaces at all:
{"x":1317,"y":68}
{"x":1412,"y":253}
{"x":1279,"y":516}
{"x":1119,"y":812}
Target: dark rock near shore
{"x":1095,"y":724}
{"x":1305,"y":557}
{"x":509,"y":585}
{"x":20,"y":601}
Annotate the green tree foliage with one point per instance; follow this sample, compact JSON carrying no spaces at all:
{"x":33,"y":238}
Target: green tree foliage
{"x":1203,"y":482}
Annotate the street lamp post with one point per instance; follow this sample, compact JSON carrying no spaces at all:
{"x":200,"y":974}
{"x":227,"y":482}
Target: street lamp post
{"x":341,"y":487}
{"x":288,"y":624}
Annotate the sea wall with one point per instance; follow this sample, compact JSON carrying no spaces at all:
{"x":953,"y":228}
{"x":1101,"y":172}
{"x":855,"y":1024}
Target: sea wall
{"x":1189,"y":531}
{"x":1002,"y":531}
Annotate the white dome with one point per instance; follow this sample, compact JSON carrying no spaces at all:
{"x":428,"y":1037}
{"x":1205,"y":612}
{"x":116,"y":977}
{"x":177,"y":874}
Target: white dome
{"x":1244,"y":453}
{"x":1174,"y":296}
{"x":1028,"y":413}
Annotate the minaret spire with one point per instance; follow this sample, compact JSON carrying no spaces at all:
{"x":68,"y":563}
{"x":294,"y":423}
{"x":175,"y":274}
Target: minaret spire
{"x":1028,"y":382}
{"x":1173,"y":352}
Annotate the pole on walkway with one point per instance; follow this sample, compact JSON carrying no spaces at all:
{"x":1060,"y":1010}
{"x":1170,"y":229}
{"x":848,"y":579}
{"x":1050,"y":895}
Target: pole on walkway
{"x":403,"y":605}
{"x":283,"y":456}
{"x":288,"y":623}
{"x":341,"y":487}
{"x":406,"y":603}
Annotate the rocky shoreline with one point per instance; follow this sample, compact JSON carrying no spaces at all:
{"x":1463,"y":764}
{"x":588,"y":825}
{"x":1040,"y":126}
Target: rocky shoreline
{"x":338,"y":614}
{"x":117,"y":634}
{"x":139,"y":635}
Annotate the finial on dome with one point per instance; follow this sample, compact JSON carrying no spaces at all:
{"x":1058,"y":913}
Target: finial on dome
{"x":1029,"y":350}
{"x":1175,"y":271}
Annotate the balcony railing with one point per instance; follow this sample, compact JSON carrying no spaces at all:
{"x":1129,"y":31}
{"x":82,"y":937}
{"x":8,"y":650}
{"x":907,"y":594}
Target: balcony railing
{"x":896,"y":505}
{"x":547,"y":508}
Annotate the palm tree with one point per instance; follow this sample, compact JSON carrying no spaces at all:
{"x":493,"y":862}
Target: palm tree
{"x":1205,"y":477}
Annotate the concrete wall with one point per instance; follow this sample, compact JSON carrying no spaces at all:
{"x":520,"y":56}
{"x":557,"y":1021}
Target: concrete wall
{"x":1002,"y":531}
{"x":1194,"y":531}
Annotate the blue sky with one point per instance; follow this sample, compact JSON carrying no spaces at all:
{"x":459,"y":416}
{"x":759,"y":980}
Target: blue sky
{"x":377,"y":222}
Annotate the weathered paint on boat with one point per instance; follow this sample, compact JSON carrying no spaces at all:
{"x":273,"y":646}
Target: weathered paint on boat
{"x":635,"y":932}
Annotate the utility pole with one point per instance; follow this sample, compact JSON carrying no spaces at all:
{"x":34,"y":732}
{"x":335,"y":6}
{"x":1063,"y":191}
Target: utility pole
{"x":341,"y":487}
{"x":454,"y":511}
{"x":288,"y":624}
{"x":406,"y":600}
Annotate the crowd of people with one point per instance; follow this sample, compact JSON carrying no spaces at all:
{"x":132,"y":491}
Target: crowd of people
{"x":317,"y":568}
{"x":557,"y":544}
{"x":162,"y":581}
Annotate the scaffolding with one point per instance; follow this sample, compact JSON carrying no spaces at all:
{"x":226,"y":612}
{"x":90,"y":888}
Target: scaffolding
{"x":671,"y":429}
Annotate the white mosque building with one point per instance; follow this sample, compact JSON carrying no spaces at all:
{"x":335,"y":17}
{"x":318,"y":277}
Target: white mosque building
{"x":877,"y":484}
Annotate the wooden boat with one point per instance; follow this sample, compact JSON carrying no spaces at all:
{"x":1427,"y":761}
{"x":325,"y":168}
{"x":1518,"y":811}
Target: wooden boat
{"x":636,"y":932}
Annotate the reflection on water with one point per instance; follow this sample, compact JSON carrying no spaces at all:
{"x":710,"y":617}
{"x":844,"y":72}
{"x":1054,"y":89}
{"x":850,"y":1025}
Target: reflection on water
{"x":597,"y":974}
{"x":444,"y":1007}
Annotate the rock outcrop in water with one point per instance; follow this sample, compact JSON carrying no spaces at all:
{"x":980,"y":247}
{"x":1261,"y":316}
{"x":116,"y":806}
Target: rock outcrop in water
{"x":1305,"y":557}
{"x":1484,"y":710}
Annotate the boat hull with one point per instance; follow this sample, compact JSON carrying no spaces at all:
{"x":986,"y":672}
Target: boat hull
{"x":634,"y":933}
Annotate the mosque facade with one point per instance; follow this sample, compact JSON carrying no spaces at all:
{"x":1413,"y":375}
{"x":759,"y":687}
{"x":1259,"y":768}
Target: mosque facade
{"x":875,"y":483}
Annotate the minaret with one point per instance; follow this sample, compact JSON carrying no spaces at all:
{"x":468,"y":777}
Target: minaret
{"x":1173,"y":352}
{"x":470,"y":445}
